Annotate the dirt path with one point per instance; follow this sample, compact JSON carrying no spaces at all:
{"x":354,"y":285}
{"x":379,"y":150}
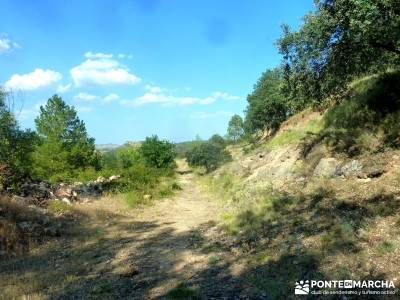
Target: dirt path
{"x":172,"y":249}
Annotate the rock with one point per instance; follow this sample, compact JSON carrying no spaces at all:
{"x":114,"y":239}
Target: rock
{"x":66,"y":200}
{"x":19,"y":200}
{"x":327,"y":167}
{"x":146,"y":197}
{"x":373,"y":172}
{"x":130,"y":272}
{"x":40,"y":191}
{"x":100,"y":179}
{"x":24,"y":226}
{"x":45,"y":220}
{"x":114,"y":177}
{"x":52,"y":231}
{"x":63,"y":191}
{"x":350,"y":169}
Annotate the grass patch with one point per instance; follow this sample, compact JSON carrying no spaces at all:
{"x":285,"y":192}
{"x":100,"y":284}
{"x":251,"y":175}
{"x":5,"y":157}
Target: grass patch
{"x":213,"y":259}
{"x":295,"y":134}
{"x":59,"y":207}
{"x":182,"y":291}
{"x":386,"y":247}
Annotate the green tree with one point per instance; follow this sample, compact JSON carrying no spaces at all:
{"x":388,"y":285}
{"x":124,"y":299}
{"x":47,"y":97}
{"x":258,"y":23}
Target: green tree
{"x":235,"y":128}
{"x":158,"y":153}
{"x":208,"y":155}
{"x":218,"y":140}
{"x":266,"y":108}
{"x":16,"y":146}
{"x":65,"y":146}
{"x":340,"y":41}
{"x":127,"y":156}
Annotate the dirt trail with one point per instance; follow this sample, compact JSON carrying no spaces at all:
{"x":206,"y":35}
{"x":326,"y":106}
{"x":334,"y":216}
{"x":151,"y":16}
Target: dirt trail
{"x":170,"y":249}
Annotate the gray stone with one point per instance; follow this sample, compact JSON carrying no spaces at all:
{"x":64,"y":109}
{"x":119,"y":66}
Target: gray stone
{"x":351,"y":168}
{"x":327,"y":167}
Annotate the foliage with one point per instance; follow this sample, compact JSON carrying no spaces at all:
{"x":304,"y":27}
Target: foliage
{"x":235,"y":128}
{"x":208,"y":155}
{"x":64,"y":143}
{"x":16,"y":146}
{"x":341,"y":40}
{"x":157,"y":153}
{"x":266,"y":105}
{"x":183,"y":147}
{"x":217,"y":140}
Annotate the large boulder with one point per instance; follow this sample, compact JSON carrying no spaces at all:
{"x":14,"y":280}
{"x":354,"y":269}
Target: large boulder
{"x":327,"y":167}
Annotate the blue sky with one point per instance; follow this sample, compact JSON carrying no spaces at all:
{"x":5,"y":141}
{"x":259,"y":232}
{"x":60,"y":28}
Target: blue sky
{"x":175,"y":68}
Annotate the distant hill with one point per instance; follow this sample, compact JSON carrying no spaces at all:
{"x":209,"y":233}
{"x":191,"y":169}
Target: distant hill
{"x":106,"y":147}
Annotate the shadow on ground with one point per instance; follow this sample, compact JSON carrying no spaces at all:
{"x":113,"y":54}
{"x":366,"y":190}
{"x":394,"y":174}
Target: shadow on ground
{"x":144,"y":260}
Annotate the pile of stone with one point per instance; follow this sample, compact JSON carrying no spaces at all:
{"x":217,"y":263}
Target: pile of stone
{"x":39,"y":192}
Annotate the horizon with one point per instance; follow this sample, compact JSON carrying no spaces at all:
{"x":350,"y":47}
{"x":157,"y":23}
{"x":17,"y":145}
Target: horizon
{"x":133,"y":69}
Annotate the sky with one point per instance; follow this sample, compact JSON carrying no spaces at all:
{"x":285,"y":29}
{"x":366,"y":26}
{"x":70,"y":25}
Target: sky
{"x":133,"y":68}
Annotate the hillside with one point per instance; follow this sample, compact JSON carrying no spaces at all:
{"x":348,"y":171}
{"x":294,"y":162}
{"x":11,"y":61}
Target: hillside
{"x":306,"y":204}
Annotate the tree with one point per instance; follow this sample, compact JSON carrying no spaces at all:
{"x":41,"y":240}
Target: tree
{"x":218,"y":140}
{"x":126,"y":156}
{"x":340,"y":41}
{"x":64,"y":143}
{"x":267,"y":107}
{"x":235,"y":128}
{"x":157,"y":153}
{"x":16,"y":146}
{"x":208,"y":155}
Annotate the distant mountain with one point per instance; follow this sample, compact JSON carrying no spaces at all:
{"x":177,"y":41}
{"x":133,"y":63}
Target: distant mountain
{"x":105,"y":147}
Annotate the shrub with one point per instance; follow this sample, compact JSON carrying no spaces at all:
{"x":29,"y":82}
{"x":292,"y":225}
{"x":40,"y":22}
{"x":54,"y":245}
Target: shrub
{"x":208,"y":155}
{"x":157,"y":153}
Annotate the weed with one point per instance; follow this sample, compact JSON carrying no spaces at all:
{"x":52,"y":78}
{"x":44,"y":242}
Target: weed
{"x":386,"y":247}
{"x":340,"y":237}
{"x":182,"y":291}
{"x":213,"y":259}
{"x":58,"y":207}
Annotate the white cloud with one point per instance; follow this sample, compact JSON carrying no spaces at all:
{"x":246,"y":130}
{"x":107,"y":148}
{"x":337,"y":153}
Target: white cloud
{"x":98,"y":55}
{"x":37,"y":79}
{"x":102,"y":71}
{"x":153,"y":89}
{"x":156,"y":95}
{"x":110,"y":98}
{"x":207,"y":115}
{"x":7,"y":45}
{"x":64,"y":88}
{"x":85,"y":97}
{"x":225,"y":96}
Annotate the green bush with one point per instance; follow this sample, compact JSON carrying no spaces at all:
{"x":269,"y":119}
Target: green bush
{"x":157,"y":153}
{"x":208,"y":155}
